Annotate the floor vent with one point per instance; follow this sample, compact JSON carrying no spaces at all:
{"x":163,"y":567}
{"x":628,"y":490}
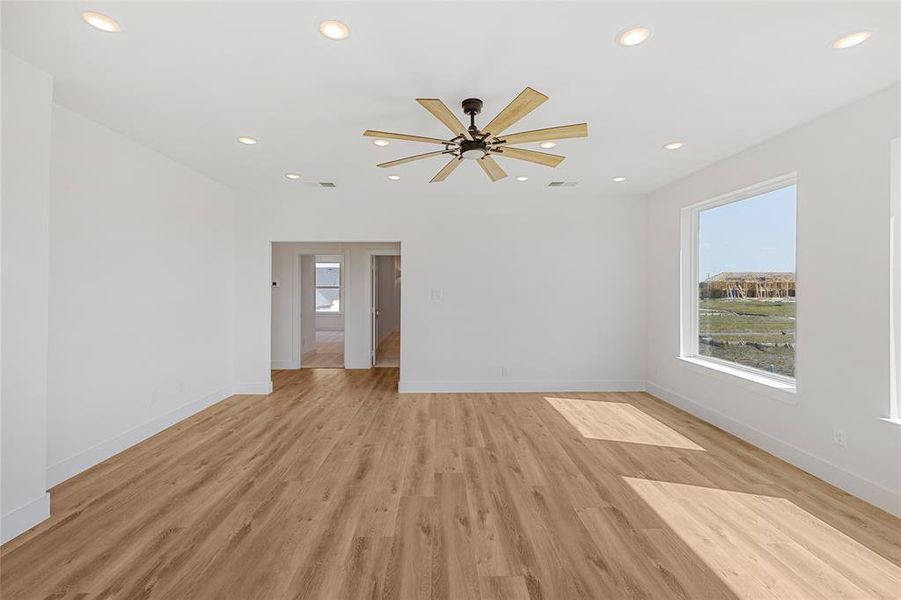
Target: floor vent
{"x":563,"y":184}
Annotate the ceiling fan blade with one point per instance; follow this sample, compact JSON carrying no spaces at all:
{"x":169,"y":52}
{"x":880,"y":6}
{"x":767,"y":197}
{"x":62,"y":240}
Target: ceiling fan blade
{"x":522,"y":105}
{"x":401,"y":161}
{"x":403,"y":136}
{"x":447,"y":169}
{"x":542,"y":158}
{"x":491,"y":168}
{"x":444,"y":114}
{"x":549,"y":133}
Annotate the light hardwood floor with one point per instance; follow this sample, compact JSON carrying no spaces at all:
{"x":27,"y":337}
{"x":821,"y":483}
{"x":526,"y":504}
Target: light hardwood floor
{"x":335,"y":486}
{"x":329,"y":352}
{"x":388,"y":352}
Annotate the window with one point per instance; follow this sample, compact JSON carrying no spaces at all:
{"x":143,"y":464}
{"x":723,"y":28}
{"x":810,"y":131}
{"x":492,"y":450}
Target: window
{"x":328,"y":284}
{"x":743,"y":304}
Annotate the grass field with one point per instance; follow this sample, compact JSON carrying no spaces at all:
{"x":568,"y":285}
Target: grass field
{"x":754,"y":333}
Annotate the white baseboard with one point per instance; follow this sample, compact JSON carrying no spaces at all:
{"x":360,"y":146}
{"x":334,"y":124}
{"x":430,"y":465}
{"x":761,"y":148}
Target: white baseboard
{"x":284,"y":364}
{"x":526,"y":385}
{"x":363,"y":363}
{"x":865,"y":489}
{"x":86,"y":459}
{"x":254,"y":389}
{"x":20,"y":520}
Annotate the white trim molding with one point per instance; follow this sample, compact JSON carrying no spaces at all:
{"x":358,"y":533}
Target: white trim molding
{"x":284,"y":364}
{"x":20,"y":520}
{"x":550,"y":386}
{"x":253,"y":389}
{"x":98,"y":453}
{"x":749,"y":379}
{"x":865,"y":489}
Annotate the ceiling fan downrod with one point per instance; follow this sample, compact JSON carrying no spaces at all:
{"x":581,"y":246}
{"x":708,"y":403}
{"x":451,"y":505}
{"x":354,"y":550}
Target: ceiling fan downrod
{"x":475,"y":148}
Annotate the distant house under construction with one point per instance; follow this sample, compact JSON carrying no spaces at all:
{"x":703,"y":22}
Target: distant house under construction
{"x":770,"y":285}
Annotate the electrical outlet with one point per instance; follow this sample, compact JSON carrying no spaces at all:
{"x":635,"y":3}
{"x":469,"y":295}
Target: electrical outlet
{"x":435,"y":294}
{"x":838,"y":436}
{"x":181,"y":386}
{"x":504,"y":371}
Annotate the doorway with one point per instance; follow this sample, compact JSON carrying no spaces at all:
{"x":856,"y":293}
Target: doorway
{"x":326,"y":290}
{"x":385,"y":301}
{"x":322,"y":304}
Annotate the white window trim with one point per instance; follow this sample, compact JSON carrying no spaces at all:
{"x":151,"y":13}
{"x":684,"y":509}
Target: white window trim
{"x":894,"y":412}
{"x":336,"y":258}
{"x":688,"y":278}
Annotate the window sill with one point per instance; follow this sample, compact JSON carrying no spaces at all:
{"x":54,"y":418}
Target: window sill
{"x":895,"y":420}
{"x":777,"y":389}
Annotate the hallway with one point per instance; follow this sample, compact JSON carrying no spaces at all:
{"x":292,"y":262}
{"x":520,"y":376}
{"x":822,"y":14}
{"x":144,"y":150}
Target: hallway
{"x":328,"y":354}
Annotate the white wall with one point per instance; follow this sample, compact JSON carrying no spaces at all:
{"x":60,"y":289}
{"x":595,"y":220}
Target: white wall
{"x":26,"y":98}
{"x":548,"y":283}
{"x":330,"y":322}
{"x":388,"y":272}
{"x":843,"y":166}
{"x":141,"y":293}
{"x":307,"y":291}
{"x":285,"y":303}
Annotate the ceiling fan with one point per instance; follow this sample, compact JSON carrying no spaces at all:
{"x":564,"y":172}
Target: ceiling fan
{"x":485,"y":143}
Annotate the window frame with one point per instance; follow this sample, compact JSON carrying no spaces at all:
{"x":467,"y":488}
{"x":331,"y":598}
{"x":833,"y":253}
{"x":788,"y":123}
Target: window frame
{"x":329,"y":258}
{"x":689,"y":280}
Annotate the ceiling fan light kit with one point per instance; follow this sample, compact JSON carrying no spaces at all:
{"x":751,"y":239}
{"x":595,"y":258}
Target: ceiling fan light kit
{"x":482,"y":144}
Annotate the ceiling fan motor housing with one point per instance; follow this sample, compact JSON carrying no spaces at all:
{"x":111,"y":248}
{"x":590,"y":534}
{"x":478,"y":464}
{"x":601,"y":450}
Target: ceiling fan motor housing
{"x":473,"y":149}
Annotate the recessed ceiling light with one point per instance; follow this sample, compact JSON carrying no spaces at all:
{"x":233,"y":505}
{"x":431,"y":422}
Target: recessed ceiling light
{"x":674,"y":145}
{"x":101,"y":22}
{"x":619,"y":179}
{"x":633,"y":37}
{"x":247,"y":140}
{"x":292,"y":175}
{"x":334,"y":30}
{"x":393,"y":177}
{"x":851,"y":40}
{"x":547,"y":144}
{"x":522,"y":178}
{"x":381,"y":143}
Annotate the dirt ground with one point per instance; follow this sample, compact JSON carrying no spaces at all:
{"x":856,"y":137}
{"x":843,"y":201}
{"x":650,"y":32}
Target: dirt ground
{"x":754,"y":333}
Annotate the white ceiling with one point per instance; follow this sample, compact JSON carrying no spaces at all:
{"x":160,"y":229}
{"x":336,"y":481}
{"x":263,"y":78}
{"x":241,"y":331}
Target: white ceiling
{"x":187,"y":78}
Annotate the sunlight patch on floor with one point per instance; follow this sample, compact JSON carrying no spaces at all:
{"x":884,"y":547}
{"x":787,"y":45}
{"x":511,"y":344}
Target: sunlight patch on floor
{"x":767,"y":547}
{"x":618,"y":422}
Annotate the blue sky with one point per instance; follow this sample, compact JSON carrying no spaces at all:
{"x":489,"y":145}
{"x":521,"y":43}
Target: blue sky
{"x":757,"y":234}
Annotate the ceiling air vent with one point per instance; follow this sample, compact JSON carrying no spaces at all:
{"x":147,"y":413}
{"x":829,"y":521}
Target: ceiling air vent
{"x":316,"y":184}
{"x":326,"y":184}
{"x":563,"y":184}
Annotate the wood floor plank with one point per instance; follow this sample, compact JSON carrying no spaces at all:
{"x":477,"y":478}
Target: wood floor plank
{"x":456,"y":573}
{"x":336,"y":486}
{"x":503,"y":588}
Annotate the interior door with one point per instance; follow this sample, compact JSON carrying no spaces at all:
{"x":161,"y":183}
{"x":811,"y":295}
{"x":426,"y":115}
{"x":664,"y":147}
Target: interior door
{"x":374,"y":309}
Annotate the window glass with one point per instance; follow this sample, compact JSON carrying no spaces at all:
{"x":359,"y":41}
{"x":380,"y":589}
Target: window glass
{"x":328,"y":287}
{"x":746,"y":281}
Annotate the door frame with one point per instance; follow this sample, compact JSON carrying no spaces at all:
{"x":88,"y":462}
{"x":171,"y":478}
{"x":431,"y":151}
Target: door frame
{"x":373,"y":308}
{"x":373,"y":344}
